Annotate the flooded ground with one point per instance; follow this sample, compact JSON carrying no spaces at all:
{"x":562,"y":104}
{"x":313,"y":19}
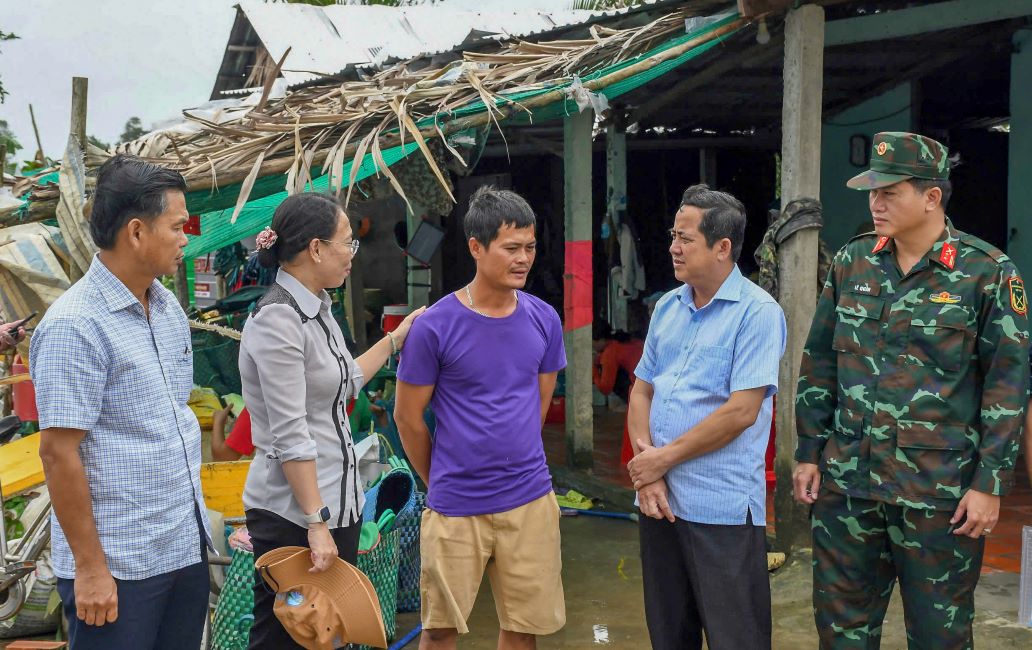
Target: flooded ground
{"x":602,"y":578}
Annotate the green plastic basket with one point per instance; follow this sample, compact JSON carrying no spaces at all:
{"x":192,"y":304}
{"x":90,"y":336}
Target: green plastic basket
{"x":380,"y":563}
{"x":234,"y":610}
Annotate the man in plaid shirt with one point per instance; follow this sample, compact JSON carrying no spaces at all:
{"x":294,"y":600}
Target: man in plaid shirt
{"x":113,"y":369}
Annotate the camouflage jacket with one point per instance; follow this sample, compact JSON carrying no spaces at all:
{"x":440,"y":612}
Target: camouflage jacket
{"x":913,"y":388}
{"x":766,"y":254}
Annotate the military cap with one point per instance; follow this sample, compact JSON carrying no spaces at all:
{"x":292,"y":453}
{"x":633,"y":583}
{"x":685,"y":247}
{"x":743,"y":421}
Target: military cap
{"x":897,"y":156}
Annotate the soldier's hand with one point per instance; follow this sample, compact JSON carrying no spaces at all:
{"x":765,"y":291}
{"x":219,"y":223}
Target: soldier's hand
{"x":979,"y":511}
{"x":806,"y":482}
{"x":652,"y":501}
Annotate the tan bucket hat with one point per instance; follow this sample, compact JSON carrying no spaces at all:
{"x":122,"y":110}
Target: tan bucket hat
{"x":324,"y":610}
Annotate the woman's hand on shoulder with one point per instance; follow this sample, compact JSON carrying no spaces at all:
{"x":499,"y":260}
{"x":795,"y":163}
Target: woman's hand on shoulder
{"x":401,"y":333}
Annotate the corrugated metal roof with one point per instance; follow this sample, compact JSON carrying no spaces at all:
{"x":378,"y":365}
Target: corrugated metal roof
{"x":326,"y":40}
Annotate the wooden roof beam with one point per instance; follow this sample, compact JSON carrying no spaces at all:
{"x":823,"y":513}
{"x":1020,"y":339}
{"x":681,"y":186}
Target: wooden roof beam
{"x":750,"y":56}
{"x":922,"y":19}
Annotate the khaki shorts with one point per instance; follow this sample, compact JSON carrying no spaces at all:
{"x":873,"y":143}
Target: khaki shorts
{"x":520,"y":550}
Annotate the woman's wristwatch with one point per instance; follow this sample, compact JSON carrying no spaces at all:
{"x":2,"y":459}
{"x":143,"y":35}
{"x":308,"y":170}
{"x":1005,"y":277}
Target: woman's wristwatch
{"x":320,"y":516}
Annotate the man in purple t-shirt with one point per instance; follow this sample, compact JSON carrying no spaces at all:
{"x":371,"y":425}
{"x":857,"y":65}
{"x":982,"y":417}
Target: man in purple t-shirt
{"x":486,"y":357}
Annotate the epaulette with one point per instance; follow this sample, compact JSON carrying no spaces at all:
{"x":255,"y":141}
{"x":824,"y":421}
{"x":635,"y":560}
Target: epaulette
{"x":863,"y":235}
{"x":974,"y":242}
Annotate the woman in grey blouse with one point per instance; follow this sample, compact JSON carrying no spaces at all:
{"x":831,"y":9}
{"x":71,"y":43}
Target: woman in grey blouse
{"x":303,"y":488}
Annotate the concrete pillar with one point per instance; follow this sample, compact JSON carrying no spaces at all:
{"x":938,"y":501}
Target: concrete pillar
{"x":800,"y":176}
{"x":1019,"y":190}
{"x":577,"y":296}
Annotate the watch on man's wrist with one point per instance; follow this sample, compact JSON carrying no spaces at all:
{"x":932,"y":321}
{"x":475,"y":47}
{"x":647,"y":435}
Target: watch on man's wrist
{"x":320,"y":516}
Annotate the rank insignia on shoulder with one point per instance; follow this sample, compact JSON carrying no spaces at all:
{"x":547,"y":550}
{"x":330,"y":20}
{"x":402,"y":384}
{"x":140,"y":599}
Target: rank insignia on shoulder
{"x":944,"y":298}
{"x":948,"y":257}
{"x":1018,"y":299}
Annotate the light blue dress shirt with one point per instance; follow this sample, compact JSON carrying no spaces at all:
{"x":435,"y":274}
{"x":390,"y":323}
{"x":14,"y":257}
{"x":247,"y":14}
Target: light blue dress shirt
{"x":101,"y":366}
{"x":695,"y":358}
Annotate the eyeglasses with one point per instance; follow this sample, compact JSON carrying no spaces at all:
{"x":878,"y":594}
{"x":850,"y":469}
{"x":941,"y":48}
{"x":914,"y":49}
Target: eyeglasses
{"x":353,"y":244}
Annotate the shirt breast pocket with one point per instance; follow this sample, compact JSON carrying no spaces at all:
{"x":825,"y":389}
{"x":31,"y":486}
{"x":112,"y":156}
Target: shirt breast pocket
{"x":711,"y":367}
{"x":858,"y":321}
{"x":939,"y":337}
{"x":179,"y":362}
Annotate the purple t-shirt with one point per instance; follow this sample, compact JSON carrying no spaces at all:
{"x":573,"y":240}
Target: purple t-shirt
{"x":487,"y":455}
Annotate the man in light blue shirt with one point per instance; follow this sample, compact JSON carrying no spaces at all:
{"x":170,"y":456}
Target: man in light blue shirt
{"x":699,"y":417}
{"x":113,"y":368}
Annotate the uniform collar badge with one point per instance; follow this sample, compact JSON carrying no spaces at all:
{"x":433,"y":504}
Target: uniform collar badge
{"x":882,"y":243}
{"x":944,"y":298}
{"x":948,"y":256}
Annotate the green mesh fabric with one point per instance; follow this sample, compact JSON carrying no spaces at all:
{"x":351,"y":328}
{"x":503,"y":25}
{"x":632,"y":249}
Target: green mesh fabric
{"x":234,"y":616}
{"x":217,"y":231}
{"x":380,"y":563}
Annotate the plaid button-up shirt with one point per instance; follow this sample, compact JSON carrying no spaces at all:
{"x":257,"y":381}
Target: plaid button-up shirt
{"x":101,"y":366}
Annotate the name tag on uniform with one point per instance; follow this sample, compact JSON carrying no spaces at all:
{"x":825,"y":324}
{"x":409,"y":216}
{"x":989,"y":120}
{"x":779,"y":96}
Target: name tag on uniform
{"x":866,"y":288}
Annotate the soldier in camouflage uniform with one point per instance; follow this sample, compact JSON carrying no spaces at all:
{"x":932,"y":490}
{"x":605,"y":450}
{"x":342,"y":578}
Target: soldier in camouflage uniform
{"x":911,"y":397}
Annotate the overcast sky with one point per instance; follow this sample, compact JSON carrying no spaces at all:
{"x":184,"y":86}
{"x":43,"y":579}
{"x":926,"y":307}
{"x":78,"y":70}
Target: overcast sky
{"x":149,"y":59}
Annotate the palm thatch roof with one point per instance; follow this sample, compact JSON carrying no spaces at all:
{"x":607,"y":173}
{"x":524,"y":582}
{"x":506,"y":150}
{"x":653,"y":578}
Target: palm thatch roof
{"x":317,"y":129}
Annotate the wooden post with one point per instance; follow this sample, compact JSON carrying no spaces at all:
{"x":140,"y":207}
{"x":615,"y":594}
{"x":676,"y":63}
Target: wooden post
{"x":708,"y":166}
{"x":417,"y":276}
{"x":797,"y":268}
{"x":578,"y":288}
{"x":182,"y":287}
{"x":616,"y":196}
{"x":39,"y":141}
{"x":80,"y":86}
{"x":616,"y":172}
{"x":354,"y":304}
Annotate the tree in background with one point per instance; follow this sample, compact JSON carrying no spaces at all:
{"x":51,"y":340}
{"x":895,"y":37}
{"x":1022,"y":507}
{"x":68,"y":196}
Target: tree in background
{"x":97,"y":142}
{"x":7,"y":138}
{"x":133,"y":130}
{"x":5,"y":36}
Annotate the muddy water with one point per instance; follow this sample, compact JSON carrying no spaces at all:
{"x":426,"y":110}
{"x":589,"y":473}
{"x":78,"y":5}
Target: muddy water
{"x":602,"y":578}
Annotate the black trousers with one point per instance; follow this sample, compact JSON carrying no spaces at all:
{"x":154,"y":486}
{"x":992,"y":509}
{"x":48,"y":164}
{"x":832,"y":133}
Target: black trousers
{"x":163,"y":612}
{"x":705,"y":578}
{"x":269,"y":531}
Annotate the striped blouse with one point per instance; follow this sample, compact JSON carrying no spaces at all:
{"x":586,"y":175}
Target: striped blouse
{"x":297,"y":379}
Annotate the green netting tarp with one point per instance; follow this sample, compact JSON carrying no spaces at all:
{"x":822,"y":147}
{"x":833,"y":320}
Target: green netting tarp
{"x":217,"y":231}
